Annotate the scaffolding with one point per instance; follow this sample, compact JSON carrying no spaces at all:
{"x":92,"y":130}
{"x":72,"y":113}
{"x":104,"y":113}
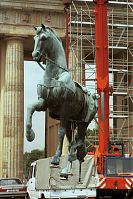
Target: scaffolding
{"x":82,"y":61}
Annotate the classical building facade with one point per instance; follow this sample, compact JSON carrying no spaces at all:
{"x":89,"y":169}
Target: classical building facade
{"x":17,"y":19}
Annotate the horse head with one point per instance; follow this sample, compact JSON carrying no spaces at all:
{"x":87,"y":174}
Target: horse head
{"x":41,"y":42}
{"x":47,"y":45}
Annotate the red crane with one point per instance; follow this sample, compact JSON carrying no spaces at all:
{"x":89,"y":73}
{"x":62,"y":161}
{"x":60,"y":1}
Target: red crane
{"x":101,"y":43}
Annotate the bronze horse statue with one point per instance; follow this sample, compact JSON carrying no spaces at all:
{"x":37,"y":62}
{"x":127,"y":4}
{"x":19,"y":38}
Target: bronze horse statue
{"x":66,"y":100}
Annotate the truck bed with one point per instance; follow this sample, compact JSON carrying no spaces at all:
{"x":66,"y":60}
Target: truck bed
{"x":50,"y":180}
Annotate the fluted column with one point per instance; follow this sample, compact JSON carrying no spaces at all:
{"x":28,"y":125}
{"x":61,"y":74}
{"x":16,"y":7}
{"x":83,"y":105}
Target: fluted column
{"x":13,"y":109}
{"x":2,"y":79}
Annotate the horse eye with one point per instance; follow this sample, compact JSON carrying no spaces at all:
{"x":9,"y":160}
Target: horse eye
{"x":42,"y":37}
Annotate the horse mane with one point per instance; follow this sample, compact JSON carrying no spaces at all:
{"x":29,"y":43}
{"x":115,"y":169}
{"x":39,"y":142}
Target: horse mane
{"x":54,"y":32}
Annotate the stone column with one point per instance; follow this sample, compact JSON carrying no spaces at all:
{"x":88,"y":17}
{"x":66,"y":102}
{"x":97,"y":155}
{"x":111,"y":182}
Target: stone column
{"x":13,"y":130}
{"x":2,"y":79}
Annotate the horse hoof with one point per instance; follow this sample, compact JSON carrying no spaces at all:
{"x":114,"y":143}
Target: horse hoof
{"x":30,"y":135}
{"x":63,"y":177}
{"x":54,"y":166}
{"x":72,"y":157}
{"x":81,"y":152}
{"x":66,"y":172}
{"x":55,"y":160}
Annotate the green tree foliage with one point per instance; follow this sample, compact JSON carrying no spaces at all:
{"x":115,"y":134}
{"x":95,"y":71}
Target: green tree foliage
{"x":31,"y":157}
{"x":90,"y":137}
{"x":91,"y":132}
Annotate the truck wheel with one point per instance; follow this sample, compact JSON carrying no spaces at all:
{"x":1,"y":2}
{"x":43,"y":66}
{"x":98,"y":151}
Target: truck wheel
{"x":130,"y":194}
{"x":42,"y":196}
{"x":27,"y":197}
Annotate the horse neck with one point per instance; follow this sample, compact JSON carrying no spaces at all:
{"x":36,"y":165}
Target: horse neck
{"x":56,"y":58}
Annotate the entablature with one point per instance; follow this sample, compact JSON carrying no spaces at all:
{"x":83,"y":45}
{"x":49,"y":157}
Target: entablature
{"x":55,"y":5}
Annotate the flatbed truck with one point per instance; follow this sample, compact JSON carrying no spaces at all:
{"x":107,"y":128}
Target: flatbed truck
{"x":45,"y":180}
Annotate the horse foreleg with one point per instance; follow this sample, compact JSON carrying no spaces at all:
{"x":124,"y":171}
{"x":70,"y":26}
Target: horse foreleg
{"x":37,"y":106}
{"x":56,"y":158}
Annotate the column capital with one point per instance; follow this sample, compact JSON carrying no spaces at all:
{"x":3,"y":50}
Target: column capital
{"x":8,"y":38}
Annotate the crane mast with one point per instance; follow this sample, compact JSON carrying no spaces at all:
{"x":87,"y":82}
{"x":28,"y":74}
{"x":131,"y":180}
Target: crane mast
{"x":102,"y":75}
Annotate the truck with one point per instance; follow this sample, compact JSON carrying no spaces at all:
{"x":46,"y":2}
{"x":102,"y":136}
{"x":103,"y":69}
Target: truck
{"x":116,"y":180}
{"x":45,"y":181}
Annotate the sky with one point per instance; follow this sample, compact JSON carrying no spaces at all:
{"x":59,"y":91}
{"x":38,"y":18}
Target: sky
{"x":32,"y":74}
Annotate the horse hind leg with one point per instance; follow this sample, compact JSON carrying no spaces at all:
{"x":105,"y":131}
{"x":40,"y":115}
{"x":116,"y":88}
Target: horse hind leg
{"x":63,"y":129}
{"x":66,"y":171}
{"x":80,"y":140}
{"x":72,"y":143}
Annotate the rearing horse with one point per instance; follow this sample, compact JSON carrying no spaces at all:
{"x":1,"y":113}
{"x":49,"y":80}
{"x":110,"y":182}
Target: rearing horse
{"x":65,"y":99}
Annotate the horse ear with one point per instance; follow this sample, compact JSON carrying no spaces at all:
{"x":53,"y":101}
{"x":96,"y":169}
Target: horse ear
{"x":43,"y":27}
{"x":35,"y":27}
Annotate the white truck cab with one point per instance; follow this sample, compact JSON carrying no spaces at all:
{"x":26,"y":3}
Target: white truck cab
{"x":31,"y":182}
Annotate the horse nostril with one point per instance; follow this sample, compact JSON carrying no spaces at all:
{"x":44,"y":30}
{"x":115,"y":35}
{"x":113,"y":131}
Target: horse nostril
{"x":37,"y":53}
{"x":33,"y":54}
